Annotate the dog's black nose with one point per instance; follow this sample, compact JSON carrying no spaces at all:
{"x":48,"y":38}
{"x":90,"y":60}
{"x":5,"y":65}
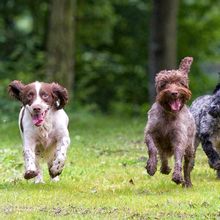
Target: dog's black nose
{"x":174,"y":94}
{"x":36,"y":109}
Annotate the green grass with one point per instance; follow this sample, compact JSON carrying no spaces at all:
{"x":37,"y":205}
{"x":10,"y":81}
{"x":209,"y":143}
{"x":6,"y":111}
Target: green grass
{"x":104,"y":178}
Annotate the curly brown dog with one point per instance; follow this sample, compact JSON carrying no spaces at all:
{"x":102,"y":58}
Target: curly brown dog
{"x":170,"y":129}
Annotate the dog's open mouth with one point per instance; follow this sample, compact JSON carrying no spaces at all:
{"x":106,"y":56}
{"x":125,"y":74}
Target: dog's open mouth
{"x":38,"y":119}
{"x":175,"y":105}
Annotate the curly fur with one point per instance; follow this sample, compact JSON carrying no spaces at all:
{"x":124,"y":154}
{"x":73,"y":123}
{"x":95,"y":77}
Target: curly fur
{"x":170,"y":129}
{"x":206,"y":111}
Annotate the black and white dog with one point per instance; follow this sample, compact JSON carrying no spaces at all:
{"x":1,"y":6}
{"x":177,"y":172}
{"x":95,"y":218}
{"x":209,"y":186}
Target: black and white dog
{"x":206,"y":111}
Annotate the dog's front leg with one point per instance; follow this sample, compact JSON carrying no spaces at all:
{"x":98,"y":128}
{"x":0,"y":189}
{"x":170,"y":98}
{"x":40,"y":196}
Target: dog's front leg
{"x":29,"y":159}
{"x":152,"y":152}
{"x":57,"y":164}
{"x":178,"y":157}
{"x":213,"y":156}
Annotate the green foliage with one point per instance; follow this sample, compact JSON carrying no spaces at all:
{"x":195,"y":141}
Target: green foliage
{"x":111,"y":49}
{"x":22,"y":34}
{"x":199,"y":30}
{"x":95,"y":23}
{"x":112,"y":70}
{"x":109,"y":82}
{"x":198,"y":36}
{"x":104,"y":178}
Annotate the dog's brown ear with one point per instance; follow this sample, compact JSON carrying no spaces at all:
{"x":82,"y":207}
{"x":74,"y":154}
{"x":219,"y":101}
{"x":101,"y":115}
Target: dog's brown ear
{"x":60,"y":96}
{"x":15,"y":88}
{"x":185,"y":64}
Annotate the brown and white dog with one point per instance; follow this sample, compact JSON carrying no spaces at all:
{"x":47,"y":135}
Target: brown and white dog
{"x":43,"y":126}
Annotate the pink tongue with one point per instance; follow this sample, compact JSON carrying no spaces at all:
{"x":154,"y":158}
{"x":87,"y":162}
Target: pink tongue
{"x":37,"y":119}
{"x":175,"y":105}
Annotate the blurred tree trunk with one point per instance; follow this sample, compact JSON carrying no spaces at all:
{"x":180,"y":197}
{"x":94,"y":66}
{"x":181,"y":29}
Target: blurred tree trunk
{"x":162,"y":48}
{"x":60,"y":43}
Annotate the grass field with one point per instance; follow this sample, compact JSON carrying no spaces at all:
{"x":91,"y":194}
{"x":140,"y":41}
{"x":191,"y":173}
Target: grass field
{"x":104,"y":178}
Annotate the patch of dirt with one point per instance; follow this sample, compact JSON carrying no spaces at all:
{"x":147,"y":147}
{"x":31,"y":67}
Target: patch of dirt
{"x":110,"y":212}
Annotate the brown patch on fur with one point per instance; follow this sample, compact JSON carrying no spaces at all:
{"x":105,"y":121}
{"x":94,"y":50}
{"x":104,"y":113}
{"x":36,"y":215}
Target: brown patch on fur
{"x":15,"y":88}
{"x":28,"y":94}
{"x":24,"y":93}
{"x":60,"y":95}
{"x":46,"y":93}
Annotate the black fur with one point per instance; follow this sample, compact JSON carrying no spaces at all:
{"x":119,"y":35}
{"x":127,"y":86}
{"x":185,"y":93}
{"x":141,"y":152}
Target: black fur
{"x":206,"y":111}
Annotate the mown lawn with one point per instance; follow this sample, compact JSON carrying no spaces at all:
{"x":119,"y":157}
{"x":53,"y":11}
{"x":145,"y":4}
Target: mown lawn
{"x":104,"y":178}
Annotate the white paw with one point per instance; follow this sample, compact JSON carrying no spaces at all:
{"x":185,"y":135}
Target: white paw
{"x":39,"y":180}
{"x":55,"y":179}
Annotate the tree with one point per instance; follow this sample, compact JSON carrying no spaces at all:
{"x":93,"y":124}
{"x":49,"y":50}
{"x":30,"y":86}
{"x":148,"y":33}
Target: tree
{"x":60,"y":43}
{"x":163,"y":35}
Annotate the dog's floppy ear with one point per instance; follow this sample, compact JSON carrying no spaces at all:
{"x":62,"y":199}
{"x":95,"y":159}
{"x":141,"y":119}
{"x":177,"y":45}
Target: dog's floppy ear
{"x":60,"y":96}
{"x":185,"y":65}
{"x":15,"y":88}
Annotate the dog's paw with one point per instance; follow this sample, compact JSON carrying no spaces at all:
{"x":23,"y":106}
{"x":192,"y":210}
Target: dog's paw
{"x":177,"y":178}
{"x":57,"y":167}
{"x":215,"y":165}
{"x":55,"y":179}
{"x":187,"y":184}
{"x":29,"y":174}
{"x":151,"y":167}
{"x":54,"y":174}
{"x":55,"y":171}
{"x":39,"y":181}
{"x":165,"y":170}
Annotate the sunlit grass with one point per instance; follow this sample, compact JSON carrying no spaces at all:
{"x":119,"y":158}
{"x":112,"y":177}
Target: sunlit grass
{"x":104,"y":178}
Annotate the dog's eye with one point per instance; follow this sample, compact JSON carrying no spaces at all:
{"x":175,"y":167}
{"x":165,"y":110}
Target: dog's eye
{"x":30,"y":95}
{"x":183,"y":84}
{"x":162,"y":86}
{"x":45,"y":95}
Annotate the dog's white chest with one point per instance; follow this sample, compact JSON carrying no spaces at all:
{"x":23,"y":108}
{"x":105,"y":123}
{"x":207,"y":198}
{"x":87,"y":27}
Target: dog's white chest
{"x":45,"y":136}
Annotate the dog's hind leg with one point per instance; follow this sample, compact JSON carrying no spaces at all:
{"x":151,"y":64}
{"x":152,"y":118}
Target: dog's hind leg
{"x":152,"y":151}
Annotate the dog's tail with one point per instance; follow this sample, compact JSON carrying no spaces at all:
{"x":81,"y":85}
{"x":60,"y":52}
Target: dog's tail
{"x":185,"y":64}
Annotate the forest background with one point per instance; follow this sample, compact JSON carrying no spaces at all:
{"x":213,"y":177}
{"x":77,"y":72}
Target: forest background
{"x":107,"y":52}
